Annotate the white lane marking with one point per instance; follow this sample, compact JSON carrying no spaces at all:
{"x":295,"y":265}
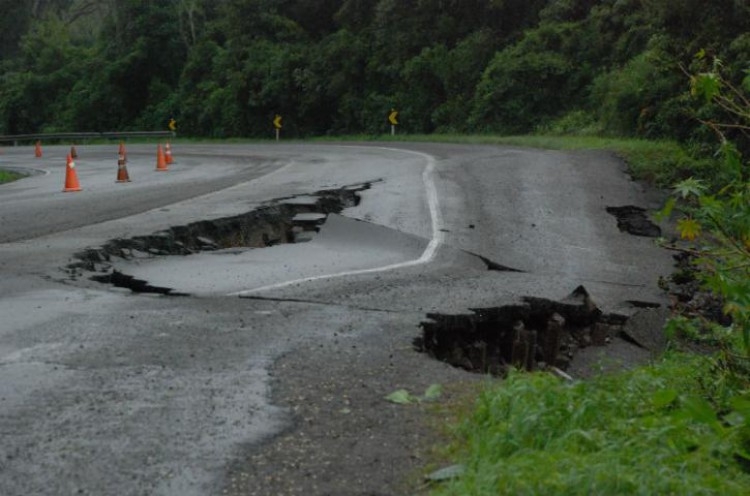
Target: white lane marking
{"x":427,"y":255}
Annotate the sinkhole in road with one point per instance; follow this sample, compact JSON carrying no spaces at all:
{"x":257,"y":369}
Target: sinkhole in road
{"x":634,"y":220}
{"x":535,"y":333}
{"x":292,"y":219}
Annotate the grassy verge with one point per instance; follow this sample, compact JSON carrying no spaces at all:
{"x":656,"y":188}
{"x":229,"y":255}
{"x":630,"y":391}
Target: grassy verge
{"x":654,"y":430}
{"x":8,"y":176}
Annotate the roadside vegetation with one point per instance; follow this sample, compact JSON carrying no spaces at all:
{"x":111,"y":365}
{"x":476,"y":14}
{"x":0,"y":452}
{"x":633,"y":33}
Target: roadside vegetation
{"x":679,"y":426}
{"x":8,"y":176}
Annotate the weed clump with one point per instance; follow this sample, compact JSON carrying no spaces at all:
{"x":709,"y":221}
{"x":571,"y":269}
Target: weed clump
{"x":654,"y":430}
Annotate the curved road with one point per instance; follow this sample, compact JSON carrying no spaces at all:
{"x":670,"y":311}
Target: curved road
{"x":269,"y":377}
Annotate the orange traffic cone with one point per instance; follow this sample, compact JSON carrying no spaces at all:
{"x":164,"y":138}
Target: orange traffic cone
{"x":73,"y":152}
{"x":168,"y":153}
{"x":71,"y":178}
{"x":38,"y":150}
{"x":122,"y":170}
{"x":161,"y":163}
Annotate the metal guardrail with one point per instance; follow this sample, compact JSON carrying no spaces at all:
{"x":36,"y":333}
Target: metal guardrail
{"x":16,"y":138}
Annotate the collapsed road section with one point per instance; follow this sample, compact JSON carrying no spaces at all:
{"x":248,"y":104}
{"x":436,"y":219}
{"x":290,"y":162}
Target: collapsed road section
{"x":225,"y":256}
{"x":534,"y":334}
{"x":286,"y":220}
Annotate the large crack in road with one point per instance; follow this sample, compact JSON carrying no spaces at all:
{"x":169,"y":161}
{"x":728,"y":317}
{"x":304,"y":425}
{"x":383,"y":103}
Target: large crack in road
{"x":535,"y":334}
{"x":285,"y":220}
{"x":288,"y":220}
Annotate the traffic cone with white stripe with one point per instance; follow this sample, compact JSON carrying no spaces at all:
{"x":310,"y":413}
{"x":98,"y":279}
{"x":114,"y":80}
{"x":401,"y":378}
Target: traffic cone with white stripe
{"x":168,"y":153}
{"x":161,"y":163}
{"x":38,"y":149}
{"x":122,"y":169}
{"x":71,"y":177}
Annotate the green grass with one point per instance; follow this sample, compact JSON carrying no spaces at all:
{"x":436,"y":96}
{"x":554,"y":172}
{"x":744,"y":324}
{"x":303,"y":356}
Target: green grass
{"x":644,"y":432}
{"x":8,"y":176}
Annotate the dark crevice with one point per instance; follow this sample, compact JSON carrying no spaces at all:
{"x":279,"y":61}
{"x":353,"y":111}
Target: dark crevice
{"x":286,"y":220}
{"x":494,"y":266}
{"x":634,"y":220}
{"x":293,"y":219}
{"x":643,"y":304}
{"x":120,"y":280}
{"x":533,"y":334}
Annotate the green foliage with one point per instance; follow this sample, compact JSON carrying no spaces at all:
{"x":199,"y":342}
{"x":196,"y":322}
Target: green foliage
{"x":656,"y":430}
{"x":718,"y":214}
{"x":531,"y":80}
{"x":333,"y":66}
{"x":404,"y":397}
{"x":660,"y":162}
{"x":628,"y":100}
{"x":13,"y":24}
{"x":8,"y":176}
{"x":706,"y":86}
{"x":577,"y":122}
{"x":724,"y":256}
{"x":438,"y":84}
{"x":683,"y":328}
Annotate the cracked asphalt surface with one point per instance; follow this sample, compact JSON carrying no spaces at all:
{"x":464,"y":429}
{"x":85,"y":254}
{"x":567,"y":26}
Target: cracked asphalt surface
{"x":258,"y":387}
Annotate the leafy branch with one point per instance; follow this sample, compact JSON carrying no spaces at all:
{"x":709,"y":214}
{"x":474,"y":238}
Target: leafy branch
{"x":720,"y":219}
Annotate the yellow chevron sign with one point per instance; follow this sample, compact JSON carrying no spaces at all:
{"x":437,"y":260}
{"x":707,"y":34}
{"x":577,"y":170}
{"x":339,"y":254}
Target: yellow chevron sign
{"x":393,"y":117}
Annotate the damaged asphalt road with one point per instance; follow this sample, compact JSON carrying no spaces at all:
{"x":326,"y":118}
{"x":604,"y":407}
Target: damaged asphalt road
{"x":233,"y":326}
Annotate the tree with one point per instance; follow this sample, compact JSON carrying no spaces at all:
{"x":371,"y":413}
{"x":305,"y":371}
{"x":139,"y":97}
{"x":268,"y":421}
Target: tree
{"x":529,"y":81}
{"x":13,"y":25}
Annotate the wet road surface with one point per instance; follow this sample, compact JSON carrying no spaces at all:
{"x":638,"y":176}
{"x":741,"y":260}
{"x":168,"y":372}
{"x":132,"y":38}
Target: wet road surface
{"x":106,"y":391}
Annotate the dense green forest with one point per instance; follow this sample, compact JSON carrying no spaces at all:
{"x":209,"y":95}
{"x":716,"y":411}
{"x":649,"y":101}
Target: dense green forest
{"x":224,"y":68}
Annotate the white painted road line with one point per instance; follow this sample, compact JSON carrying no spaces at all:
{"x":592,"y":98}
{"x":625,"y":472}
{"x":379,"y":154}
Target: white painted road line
{"x":427,"y":256}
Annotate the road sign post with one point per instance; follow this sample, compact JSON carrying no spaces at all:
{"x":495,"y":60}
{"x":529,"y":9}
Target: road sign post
{"x":277,"y":126}
{"x":393,"y":119}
